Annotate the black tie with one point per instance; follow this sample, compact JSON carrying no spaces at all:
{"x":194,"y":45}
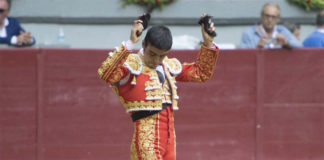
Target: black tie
{"x":161,"y":77}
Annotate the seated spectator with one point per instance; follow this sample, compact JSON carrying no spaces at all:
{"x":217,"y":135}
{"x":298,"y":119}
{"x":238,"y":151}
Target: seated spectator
{"x":316,"y":39}
{"x":268,"y":34}
{"x":294,"y":28}
{"x":11,"y":32}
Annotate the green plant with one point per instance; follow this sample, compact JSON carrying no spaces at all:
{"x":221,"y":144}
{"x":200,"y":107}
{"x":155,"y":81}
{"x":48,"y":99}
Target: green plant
{"x":309,"y":4}
{"x":151,"y":4}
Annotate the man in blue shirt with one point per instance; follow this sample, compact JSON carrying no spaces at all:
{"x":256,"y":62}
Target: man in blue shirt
{"x":316,"y":39}
{"x":268,"y":34}
{"x":11,"y":32}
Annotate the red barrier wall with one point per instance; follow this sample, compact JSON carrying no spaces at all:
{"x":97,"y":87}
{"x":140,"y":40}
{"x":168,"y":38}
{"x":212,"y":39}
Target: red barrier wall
{"x":259,"y":105}
{"x":18,"y":104}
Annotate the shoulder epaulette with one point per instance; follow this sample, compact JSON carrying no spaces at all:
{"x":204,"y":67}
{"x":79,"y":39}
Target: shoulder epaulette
{"x":173,"y":65}
{"x":134,"y":64}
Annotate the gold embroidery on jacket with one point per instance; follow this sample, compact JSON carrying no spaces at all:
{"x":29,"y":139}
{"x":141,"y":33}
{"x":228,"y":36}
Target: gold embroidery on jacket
{"x":134,"y":64}
{"x":109,"y":66}
{"x":173,"y":65}
{"x":204,"y":66}
{"x":152,"y":84}
{"x":154,"y":95}
{"x":141,"y":105}
{"x":144,"y":136}
{"x":172,"y":90}
{"x":150,"y":72}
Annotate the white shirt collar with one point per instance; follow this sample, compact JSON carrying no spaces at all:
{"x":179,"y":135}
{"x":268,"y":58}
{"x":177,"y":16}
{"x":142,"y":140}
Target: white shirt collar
{"x":3,"y":31}
{"x":6,"y":22}
{"x":160,"y":69}
{"x":274,"y":32}
{"x":320,"y":30}
{"x":142,"y":51}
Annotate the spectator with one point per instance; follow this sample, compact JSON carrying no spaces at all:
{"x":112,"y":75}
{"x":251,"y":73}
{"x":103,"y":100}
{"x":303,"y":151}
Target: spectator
{"x":316,"y":39}
{"x":268,"y":34}
{"x":294,"y":28}
{"x":11,"y":32}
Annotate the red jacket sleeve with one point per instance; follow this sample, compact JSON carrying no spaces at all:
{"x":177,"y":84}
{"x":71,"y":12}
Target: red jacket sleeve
{"x":202,"y":69}
{"x":112,"y":69}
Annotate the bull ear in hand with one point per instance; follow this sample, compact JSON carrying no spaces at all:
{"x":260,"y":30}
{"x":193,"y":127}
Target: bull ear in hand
{"x":206,"y":21}
{"x":145,"y":18}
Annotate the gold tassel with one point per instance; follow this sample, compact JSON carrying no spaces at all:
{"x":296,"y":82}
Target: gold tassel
{"x":133,"y":80}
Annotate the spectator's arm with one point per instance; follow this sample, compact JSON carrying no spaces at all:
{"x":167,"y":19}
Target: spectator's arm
{"x":15,"y":42}
{"x":293,"y":42}
{"x":21,"y":37}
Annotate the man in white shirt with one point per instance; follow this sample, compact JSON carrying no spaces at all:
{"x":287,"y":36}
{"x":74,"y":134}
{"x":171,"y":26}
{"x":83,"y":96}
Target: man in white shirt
{"x":11,"y":32}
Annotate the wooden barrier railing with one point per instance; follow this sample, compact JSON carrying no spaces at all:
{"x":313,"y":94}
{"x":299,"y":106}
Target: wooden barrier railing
{"x":260,"y":104}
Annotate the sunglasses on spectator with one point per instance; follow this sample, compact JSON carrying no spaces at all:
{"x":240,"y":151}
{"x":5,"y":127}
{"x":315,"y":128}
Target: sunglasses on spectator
{"x":270,"y":16}
{"x":2,"y":10}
